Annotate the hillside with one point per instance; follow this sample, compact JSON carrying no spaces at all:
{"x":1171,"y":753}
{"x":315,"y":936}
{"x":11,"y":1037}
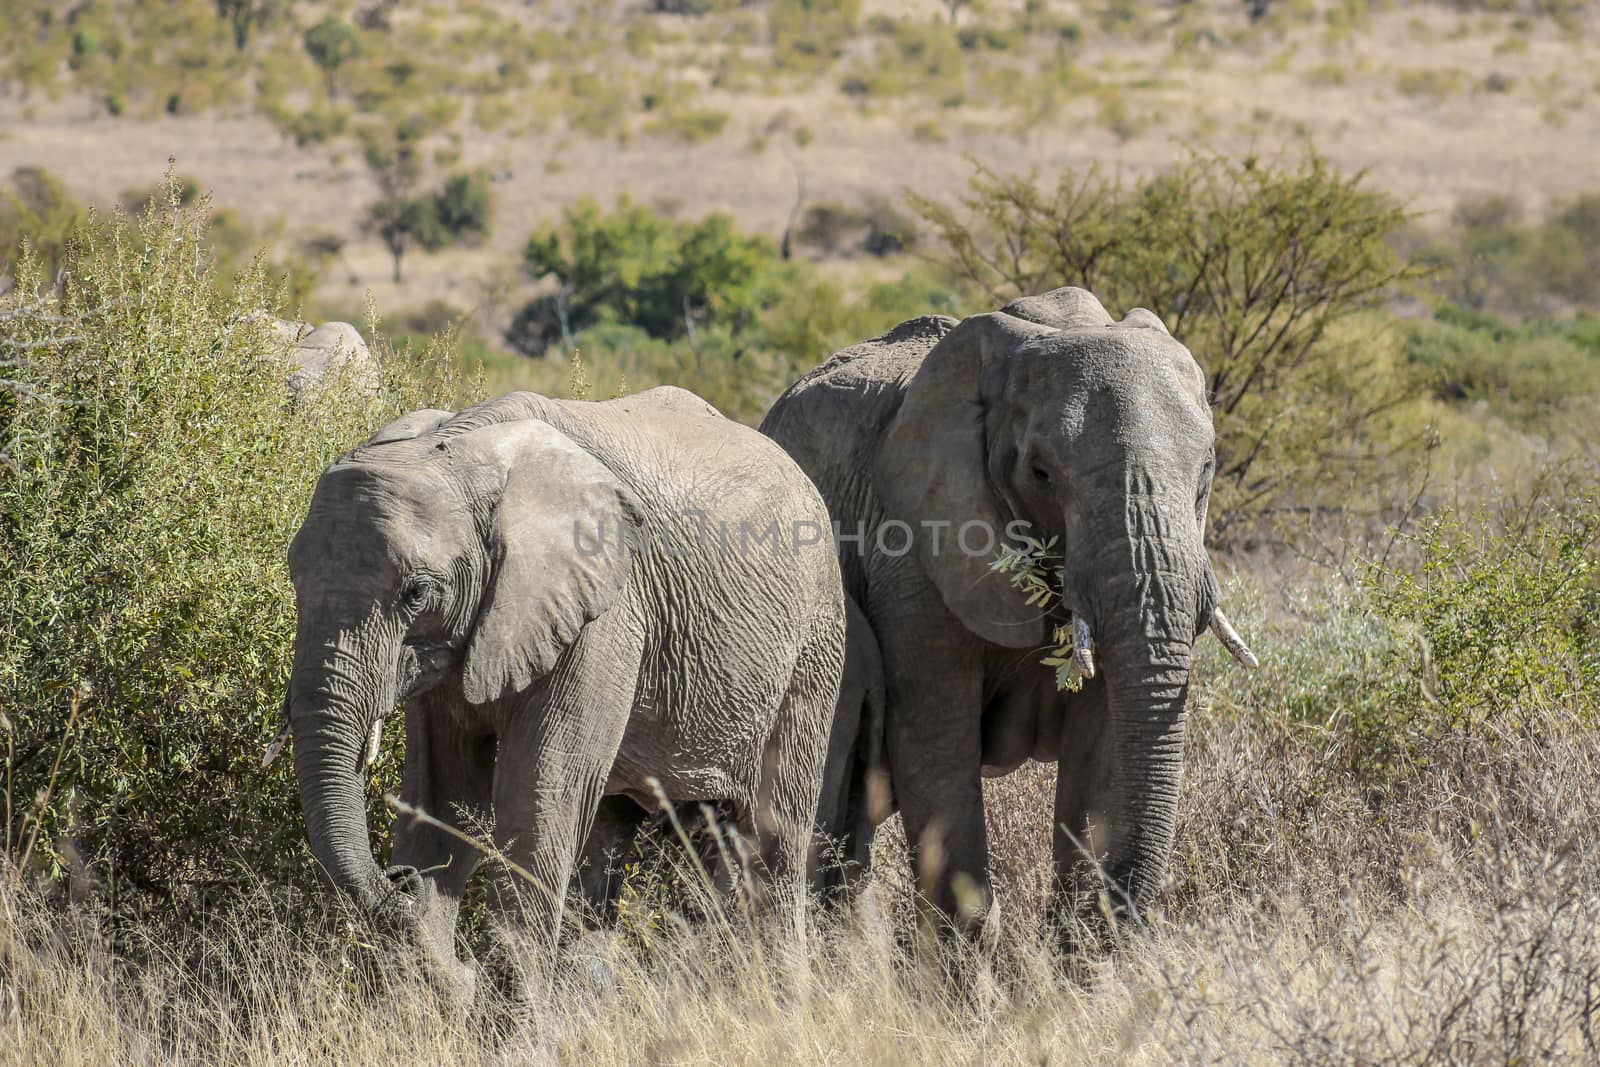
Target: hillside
{"x":730,"y":110}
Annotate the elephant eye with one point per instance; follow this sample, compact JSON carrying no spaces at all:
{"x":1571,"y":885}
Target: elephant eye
{"x":1040,"y":474}
{"x":416,"y":593}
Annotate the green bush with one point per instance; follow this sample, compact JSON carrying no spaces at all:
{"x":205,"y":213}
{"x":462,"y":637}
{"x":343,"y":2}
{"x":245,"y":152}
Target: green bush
{"x":1524,"y":373}
{"x":38,"y":209}
{"x":878,"y":229}
{"x":1481,"y":620}
{"x":1492,"y":259}
{"x":1503,"y":608}
{"x":1263,"y":270}
{"x":640,"y":268}
{"x":156,"y":473}
{"x":463,"y":212}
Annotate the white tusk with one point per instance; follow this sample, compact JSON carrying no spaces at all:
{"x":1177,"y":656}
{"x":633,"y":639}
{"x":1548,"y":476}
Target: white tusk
{"x":1083,"y":645}
{"x":374,"y":739}
{"x":1232,"y":641}
{"x":275,"y":746}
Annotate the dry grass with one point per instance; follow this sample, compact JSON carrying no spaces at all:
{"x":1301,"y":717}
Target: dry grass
{"x":1450,"y":913}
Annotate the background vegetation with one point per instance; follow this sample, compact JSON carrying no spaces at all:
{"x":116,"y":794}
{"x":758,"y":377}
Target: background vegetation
{"x":1382,"y":850}
{"x":155,"y":470}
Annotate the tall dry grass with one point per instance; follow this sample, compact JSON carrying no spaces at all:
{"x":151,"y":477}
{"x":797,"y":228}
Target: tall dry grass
{"x":1451,"y":917}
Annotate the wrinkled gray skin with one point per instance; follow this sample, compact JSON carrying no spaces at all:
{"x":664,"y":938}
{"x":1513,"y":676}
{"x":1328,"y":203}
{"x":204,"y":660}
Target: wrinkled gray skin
{"x":853,"y":801}
{"x":313,"y":354}
{"x":855,"y":788}
{"x":1093,"y":431}
{"x":438,"y":567}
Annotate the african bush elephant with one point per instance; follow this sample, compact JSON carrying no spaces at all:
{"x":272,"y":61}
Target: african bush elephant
{"x":572,"y":600}
{"x":312,"y":354}
{"x":931,"y":444}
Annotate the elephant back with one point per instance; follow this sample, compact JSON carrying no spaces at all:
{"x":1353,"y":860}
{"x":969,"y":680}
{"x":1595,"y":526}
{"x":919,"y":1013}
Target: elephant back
{"x":830,"y":421}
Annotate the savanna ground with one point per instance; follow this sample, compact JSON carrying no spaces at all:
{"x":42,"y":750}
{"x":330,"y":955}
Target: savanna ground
{"x":1385,"y":842}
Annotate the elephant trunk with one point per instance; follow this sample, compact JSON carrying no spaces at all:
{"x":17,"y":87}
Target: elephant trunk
{"x":1145,"y":705}
{"x":330,"y":735}
{"x":1144,"y":615}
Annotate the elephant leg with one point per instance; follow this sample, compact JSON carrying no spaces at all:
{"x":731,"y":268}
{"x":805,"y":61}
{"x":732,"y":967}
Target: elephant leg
{"x":791,"y":776}
{"x":837,"y":865}
{"x":1081,"y":819}
{"x":447,"y":776}
{"x":617,"y":823}
{"x":854,"y":787}
{"x":935,"y":749}
{"x":555,"y":755}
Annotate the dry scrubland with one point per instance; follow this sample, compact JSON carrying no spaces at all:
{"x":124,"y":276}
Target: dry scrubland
{"x":1385,"y":848}
{"x":726,"y":110}
{"x":1384,"y":842}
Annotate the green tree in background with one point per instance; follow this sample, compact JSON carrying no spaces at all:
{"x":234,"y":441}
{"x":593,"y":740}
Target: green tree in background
{"x":244,"y":17}
{"x":37,"y":207}
{"x":1263,"y":270}
{"x":332,"y":43}
{"x":463,"y":210}
{"x":460,"y":212}
{"x":635,"y":266}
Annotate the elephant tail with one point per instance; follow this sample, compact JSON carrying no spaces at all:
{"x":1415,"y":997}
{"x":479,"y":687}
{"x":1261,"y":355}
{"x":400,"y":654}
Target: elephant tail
{"x":870,"y":790}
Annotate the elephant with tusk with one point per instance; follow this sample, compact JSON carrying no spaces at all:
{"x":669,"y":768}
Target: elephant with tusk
{"x":575,"y":602}
{"x":938,"y":442}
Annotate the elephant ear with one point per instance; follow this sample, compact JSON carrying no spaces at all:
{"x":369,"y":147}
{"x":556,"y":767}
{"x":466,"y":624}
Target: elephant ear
{"x":1066,"y":308}
{"x":408,"y":426}
{"x":562,"y":535}
{"x":931,"y":467}
{"x":1147,"y":319}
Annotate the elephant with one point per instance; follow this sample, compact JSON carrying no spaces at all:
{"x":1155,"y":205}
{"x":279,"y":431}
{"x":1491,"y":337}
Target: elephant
{"x":312,"y":353}
{"x":629,"y":600}
{"x":852,"y":802}
{"x":938,"y":442}
{"x":333,"y":347}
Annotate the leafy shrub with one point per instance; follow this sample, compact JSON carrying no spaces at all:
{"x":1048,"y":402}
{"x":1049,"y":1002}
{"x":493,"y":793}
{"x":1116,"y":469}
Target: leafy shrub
{"x":39,"y":209}
{"x":463,"y":211}
{"x":1263,"y":270}
{"x":157,"y":473}
{"x":1505,"y":608}
{"x":878,"y":229}
{"x":1476,"y":621}
{"x":638,"y":267}
{"x":1492,"y":259}
{"x":1523,"y":372}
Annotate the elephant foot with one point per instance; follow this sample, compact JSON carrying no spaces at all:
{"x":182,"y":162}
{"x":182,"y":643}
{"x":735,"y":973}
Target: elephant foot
{"x":455,"y":982}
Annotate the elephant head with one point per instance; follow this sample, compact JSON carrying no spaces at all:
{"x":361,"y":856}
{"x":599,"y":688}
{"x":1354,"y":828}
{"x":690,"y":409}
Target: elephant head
{"x":442,"y":552}
{"x":1096,"y":433}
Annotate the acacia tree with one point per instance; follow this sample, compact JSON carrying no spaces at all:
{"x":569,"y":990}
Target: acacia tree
{"x":332,"y":43}
{"x":1261,"y":269}
{"x":246,"y":16}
